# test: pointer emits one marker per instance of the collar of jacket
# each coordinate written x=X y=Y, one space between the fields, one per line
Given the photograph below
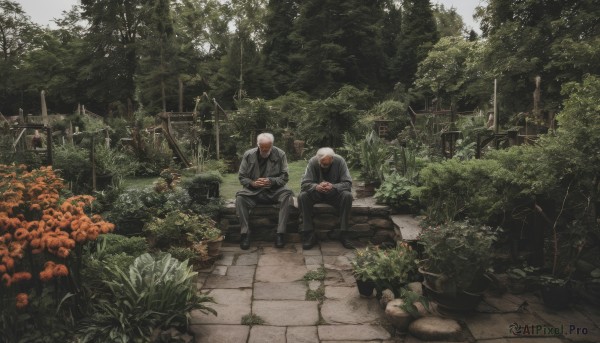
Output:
x=274 y=156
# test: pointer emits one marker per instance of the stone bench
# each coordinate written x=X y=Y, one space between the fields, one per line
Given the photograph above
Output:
x=368 y=221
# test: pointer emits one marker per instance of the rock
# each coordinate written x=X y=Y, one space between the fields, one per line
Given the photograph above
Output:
x=416 y=287
x=435 y=329
x=399 y=318
x=381 y=223
x=386 y=296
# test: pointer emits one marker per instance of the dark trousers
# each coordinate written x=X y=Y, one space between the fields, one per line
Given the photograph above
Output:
x=341 y=201
x=245 y=203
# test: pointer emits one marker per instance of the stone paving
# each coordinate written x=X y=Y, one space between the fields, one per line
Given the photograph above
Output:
x=268 y=283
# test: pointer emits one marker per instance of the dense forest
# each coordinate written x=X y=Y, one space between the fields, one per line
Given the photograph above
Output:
x=122 y=56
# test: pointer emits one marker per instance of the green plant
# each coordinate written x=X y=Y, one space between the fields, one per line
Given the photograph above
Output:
x=363 y=264
x=372 y=158
x=180 y=228
x=409 y=299
x=396 y=191
x=154 y=293
x=394 y=267
x=252 y=319
x=455 y=190
x=388 y=268
x=458 y=252
x=316 y=294
x=183 y=253
x=315 y=275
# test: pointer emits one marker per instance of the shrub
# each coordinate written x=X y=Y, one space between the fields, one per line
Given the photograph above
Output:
x=396 y=191
x=458 y=251
x=180 y=228
x=154 y=293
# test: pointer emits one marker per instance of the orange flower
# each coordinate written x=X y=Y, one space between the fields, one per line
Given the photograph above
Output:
x=35 y=207
x=6 y=279
x=46 y=275
x=20 y=276
x=60 y=270
x=49 y=265
x=9 y=262
x=21 y=234
x=22 y=300
x=2 y=268
x=63 y=252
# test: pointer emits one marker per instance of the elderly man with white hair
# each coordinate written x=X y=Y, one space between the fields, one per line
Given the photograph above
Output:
x=264 y=175
x=326 y=180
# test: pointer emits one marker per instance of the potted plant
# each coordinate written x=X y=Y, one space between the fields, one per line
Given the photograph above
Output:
x=363 y=269
x=203 y=187
x=212 y=236
x=457 y=258
x=395 y=267
x=376 y=268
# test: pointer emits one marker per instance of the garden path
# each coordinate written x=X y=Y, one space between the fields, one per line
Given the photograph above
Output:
x=268 y=283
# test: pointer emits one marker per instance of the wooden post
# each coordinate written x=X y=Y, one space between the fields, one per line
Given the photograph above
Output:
x=70 y=135
x=93 y=158
x=180 y=94
x=217 y=128
x=21 y=117
x=44 y=108
x=49 y=159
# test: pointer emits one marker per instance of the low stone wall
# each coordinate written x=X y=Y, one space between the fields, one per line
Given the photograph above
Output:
x=368 y=222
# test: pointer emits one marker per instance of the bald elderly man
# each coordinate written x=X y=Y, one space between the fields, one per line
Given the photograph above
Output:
x=326 y=180
x=264 y=174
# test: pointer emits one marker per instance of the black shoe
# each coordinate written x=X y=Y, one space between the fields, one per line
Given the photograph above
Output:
x=346 y=242
x=245 y=241
x=308 y=240
x=279 y=242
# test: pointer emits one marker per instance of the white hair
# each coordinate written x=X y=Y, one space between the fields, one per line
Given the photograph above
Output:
x=324 y=152
x=265 y=136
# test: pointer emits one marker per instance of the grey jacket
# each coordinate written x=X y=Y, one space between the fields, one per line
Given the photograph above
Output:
x=277 y=171
x=340 y=175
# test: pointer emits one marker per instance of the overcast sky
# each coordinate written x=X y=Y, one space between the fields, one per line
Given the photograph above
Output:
x=43 y=11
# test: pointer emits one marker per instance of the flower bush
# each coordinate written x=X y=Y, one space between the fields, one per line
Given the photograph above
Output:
x=38 y=230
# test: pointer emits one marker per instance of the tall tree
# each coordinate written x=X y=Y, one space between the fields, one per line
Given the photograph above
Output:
x=448 y=22
x=419 y=34
x=556 y=39
x=111 y=42
x=280 y=18
x=341 y=44
x=158 y=72
x=17 y=38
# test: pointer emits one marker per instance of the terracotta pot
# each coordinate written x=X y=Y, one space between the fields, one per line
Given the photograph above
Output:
x=214 y=246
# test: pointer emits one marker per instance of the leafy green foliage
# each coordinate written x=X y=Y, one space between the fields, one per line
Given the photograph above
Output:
x=179 y=228
x=465 y=189
x=315 y=275
x=154 y=293
x=396 y=191
x=389 y=268
x=316 y=294
x=410 y=298
x=252 y=319
x=458 y=251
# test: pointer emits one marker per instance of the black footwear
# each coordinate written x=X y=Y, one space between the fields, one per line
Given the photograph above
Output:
x=279 y=242
x=308 y=240
x=346 y=242
x=245 y=241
